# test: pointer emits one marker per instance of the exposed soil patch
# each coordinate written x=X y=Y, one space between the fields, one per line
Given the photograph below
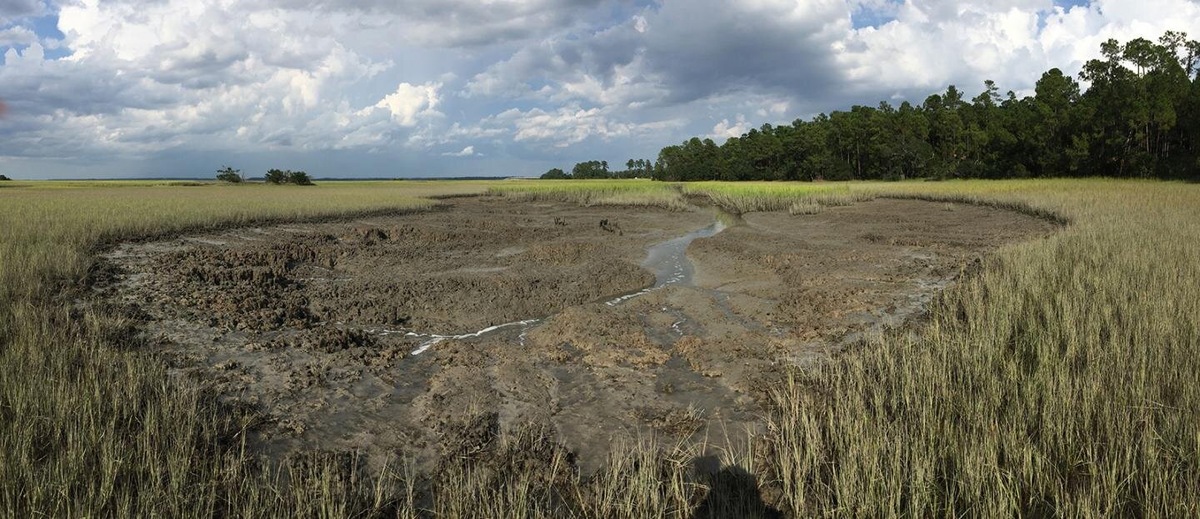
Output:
x=317 y=324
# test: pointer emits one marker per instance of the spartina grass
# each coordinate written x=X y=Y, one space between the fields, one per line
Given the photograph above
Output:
x=806 y=206
x=595 y=192
x=746 y=197
x=645 y=480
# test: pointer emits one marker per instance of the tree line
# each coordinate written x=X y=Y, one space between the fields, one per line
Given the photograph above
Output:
x=593 y=169
x=1140 y=117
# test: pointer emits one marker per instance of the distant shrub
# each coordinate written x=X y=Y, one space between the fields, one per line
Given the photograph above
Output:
x=287 y=176
x=276 y=176
x=2 y=178
x=228 y=174
x=299 y=178
x=555 y=174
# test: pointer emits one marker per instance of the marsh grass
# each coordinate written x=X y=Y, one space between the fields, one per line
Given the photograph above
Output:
x=734 y=197
x=1060 y=379
x=804 y=207
x=643 y=193
x=746 y=197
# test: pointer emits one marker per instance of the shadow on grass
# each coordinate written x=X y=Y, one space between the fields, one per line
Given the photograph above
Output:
x=733 y=492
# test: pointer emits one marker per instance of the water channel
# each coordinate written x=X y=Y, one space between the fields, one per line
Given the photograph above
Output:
x=667 y=260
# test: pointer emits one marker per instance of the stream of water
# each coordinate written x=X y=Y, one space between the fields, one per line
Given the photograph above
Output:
x=667 y=260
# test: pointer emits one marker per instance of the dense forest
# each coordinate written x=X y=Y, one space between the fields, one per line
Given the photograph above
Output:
x=1140 y=117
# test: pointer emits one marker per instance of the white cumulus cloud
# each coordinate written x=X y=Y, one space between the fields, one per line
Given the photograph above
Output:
x=724 y=129
x=409 y=103
x=466 y=152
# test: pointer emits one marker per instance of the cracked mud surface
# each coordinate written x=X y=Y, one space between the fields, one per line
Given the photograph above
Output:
x=315 y=324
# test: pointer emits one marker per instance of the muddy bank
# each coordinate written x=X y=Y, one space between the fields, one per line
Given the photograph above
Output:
x=316 y=324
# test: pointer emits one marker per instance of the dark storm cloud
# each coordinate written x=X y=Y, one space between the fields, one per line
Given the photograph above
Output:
x=709 y=47
x=683 y=52
x=51 y=89
x=560 y=62
x=465 y=23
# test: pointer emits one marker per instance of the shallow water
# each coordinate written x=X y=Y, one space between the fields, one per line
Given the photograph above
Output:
x=432 y=339
x=667 y=260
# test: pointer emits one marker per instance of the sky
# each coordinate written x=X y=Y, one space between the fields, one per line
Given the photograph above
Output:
x=431 y=88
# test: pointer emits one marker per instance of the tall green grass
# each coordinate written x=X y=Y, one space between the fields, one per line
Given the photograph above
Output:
x=735 y=197
x=594 y=192
x=746 y=197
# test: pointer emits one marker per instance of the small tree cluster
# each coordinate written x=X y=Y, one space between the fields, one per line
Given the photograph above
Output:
x=591 y=169
x=228 y=174
x=3 y=178
x=636 y=168
x=555 y=174
x=280 y=176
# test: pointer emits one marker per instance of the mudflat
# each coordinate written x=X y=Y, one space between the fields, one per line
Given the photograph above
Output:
x=390 y=334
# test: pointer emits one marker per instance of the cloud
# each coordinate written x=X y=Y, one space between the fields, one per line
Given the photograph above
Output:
x=146 y=77
x=567 y=125
x=682 y=52
x=11 y=10
x=466 y=152
x=773 y=109
x=608 y=67
x=933 y=43
x=562 y=127
x=767 y=45
x=801 y=58
x=410 y=103
x=724 y=130
x=14 y=36
x=458 y=23
x=697 y=61
x=533 y=82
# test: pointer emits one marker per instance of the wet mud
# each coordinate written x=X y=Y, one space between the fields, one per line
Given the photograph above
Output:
x=388 y=335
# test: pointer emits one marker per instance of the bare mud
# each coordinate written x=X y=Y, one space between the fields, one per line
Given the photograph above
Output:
x=387 y=335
